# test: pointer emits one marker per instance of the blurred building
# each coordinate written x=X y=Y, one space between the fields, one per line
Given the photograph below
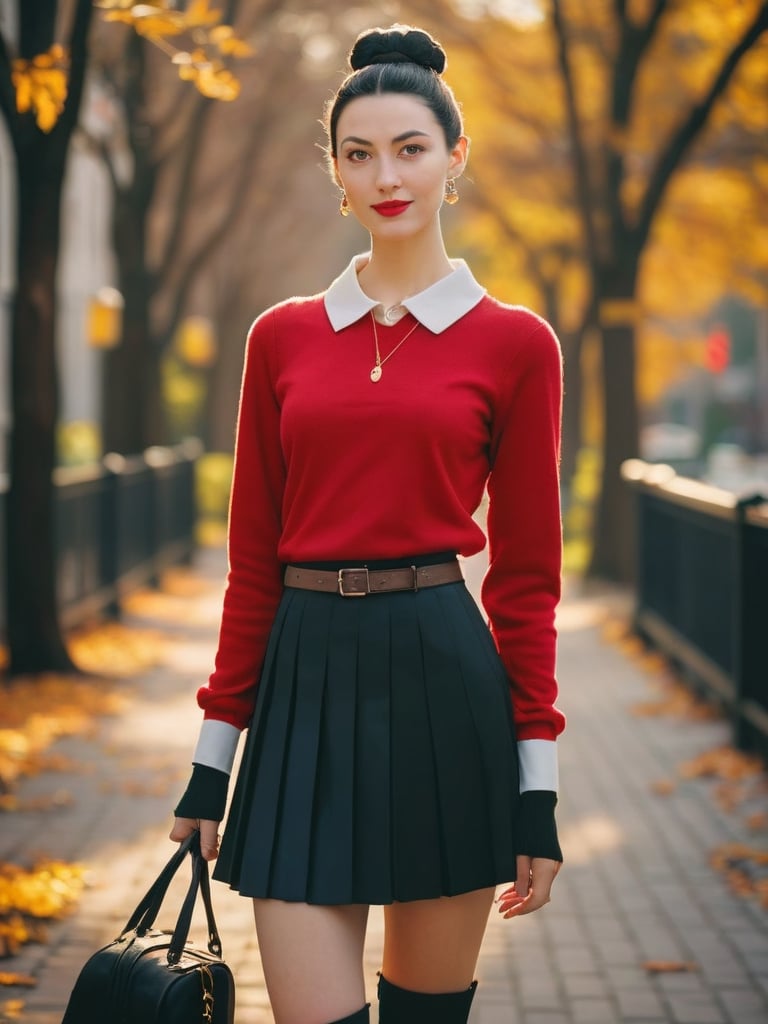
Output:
x=713 y=423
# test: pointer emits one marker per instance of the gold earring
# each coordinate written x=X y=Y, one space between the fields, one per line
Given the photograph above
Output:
x=344 y=205
x=451 y=192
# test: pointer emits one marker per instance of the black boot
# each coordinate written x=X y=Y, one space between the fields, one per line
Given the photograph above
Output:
x=361 y=1017
x=399 y=1006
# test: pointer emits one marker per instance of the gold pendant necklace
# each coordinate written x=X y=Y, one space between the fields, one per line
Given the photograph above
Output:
x=377 y=369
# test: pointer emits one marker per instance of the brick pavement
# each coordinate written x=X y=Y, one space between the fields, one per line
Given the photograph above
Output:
x=637 y=885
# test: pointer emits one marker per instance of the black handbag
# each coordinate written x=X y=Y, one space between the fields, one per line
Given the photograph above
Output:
x=154 y=977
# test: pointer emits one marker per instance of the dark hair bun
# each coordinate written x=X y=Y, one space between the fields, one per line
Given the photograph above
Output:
x=397 y=45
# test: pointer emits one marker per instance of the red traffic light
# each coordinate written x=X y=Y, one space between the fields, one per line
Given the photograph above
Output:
x=718 y=352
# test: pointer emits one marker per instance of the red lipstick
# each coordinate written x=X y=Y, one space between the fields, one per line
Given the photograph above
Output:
x=391 y=208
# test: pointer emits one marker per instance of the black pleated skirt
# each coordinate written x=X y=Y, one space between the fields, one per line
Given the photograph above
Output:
x=381 y=761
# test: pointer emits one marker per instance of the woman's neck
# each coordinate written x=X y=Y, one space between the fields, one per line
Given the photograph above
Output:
x=397 y=270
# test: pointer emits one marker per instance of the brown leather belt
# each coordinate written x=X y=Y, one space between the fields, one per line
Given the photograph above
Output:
x=359 y=582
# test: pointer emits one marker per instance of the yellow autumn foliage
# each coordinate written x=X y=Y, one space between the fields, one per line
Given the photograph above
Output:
x=199 y=15
x=210 y=78
x=149 y=20
x=28 y=898
x=160 y=22
x=41 y=85
x=708 y=238
x=36 y=712
x=228 y=43
x=11 y=1009
x=46 y=891
x=744 y=868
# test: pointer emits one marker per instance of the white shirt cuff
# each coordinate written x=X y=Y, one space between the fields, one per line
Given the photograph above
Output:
x=216 y=745
x=538 y=765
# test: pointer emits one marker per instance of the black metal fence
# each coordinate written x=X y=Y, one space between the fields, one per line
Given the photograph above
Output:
x=119 y=523
x=702 y=589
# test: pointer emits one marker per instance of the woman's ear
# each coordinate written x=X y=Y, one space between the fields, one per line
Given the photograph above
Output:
x=459 y=156
x=335 y=172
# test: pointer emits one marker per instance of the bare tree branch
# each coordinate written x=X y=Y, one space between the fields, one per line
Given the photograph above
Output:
x=583 y=186
x=168 y=266
x=100 y=149
x=634 y=42
x=512 y=234
x=653 y=21
x=168 y=132
x=78 y=51
x=213 y=239
x=687 y=133
x=500 y=76
x=189 y=164
x=36 y=27
x=192 y=143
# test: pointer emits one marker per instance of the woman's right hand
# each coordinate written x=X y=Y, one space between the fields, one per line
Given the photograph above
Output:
x=531 y=891
x=209 y=834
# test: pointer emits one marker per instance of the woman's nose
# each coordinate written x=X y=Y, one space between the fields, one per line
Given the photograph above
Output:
x=389 y=174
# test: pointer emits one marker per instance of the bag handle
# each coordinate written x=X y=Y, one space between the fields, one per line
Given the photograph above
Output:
x=143 y=917
x=200 y=882
x=154 y=895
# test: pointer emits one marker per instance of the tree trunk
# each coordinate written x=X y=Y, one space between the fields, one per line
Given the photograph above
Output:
x=35 y=639
x=614 y=535
x=132 y=404
x=572 y=398
x=133 y=410
x=223 y=390
x=34 y=634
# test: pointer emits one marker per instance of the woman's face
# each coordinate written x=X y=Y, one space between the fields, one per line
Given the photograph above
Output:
x=392 y=161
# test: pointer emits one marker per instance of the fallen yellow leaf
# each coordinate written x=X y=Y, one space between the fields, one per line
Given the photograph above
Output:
x=723 y=763
x=663 y=787
x=29 y=898
x=12 y=1009
x=668 y=966
x=21 y=980
x=758 y=822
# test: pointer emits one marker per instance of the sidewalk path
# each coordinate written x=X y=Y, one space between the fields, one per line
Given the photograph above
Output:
x=637 y=885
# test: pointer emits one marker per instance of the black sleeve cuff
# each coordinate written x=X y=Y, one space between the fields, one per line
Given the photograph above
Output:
x=205 y=795
x=536 y=827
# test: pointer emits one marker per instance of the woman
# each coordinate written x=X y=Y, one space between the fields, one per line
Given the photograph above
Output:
x=398 y=752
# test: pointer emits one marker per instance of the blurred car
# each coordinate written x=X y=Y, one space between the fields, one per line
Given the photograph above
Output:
x=669 y=442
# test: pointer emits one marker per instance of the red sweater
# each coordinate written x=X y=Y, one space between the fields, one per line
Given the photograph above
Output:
x=329 y=465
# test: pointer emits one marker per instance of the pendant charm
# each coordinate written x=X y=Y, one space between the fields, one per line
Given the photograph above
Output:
x=376 y=374
x=394 y=313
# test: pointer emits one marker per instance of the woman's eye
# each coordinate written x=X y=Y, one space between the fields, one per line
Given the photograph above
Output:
x=357 y=154
x=412 y=149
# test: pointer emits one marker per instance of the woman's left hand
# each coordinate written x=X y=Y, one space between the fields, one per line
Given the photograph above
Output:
x=209 y=834
x=532 y=889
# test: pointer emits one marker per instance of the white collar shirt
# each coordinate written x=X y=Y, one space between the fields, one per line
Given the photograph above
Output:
x=436 y=308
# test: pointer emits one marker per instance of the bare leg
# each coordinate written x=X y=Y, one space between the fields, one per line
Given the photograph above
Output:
x=432 y=945
x=312 y=958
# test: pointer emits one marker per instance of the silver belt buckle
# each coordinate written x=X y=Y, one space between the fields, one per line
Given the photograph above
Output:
x=354 y=593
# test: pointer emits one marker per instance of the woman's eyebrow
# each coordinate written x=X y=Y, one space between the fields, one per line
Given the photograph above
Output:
x=408 y=135
x=398 y=138
x=356 y=140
